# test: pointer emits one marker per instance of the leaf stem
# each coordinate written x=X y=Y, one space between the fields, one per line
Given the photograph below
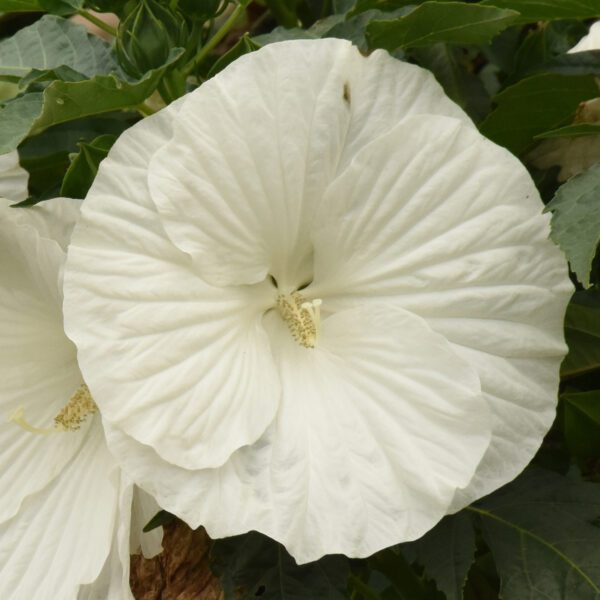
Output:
x=216 y=38
x=97 y=22
x=144 y=109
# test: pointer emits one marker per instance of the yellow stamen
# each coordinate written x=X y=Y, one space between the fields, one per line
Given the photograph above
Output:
x=302 y=317
x=77 y=409
x=70 y=418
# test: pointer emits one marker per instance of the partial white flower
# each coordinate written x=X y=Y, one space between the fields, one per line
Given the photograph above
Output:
x=574 y=154
x=591 y=41
x=64 y=501
x=311 y=300
x=13 y=178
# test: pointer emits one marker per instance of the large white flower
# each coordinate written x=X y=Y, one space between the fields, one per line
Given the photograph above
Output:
x=66 y=507
x=311 y=300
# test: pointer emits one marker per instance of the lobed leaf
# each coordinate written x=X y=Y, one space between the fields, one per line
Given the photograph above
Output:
x=252 y=565
x=432 y=22
x=534 y=105
x=576 y=221
x=84 y=166
x=542 y=530
x=64 y=101
x=447 y=553
x=532 y=11
x=53 y=42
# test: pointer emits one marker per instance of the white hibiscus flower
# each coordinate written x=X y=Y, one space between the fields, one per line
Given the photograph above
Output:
x=66 y=508
x=574 y=154
x=311 y=300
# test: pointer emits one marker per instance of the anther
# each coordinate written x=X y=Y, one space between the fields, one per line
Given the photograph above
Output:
x=70 y=417
x=303 y=317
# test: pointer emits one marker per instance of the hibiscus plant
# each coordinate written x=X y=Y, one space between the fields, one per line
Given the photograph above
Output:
x=299 y=299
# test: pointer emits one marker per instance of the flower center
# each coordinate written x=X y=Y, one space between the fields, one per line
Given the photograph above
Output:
x=71 y=416
x=303 y=317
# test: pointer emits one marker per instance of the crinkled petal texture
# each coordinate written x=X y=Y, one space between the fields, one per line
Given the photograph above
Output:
x=61 y=536
x=381 y=401
x=243 y=211
x=435 y=368
x=38 y=365
x=13 y=178
x=135 y=509
x=447 y=225
x=178 y=364
x=272 y=131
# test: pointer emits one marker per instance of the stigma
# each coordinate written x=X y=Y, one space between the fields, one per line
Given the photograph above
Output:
x=70 y=418
x=303 y=317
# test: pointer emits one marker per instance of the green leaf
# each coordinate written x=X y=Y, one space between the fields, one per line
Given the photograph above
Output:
x=52 y=42
x=58 y=7
x=576 y=221
x=577 y=130
x=544 y=49
x=453 y=70
x=544 y=537
x=364 y=5
x=447 y=553
x=432 y=22
x=582 y=423
x=252 y=566
x=162 y=517
x=353 y=29
x=84 y=166
x=582 y=333
x=46 y=156
x=243 y=46
x=20 y=6
x=534 y=105
x=547 y=10
x=64 y=101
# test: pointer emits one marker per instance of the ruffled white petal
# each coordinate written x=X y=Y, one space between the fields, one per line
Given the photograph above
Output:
x=254 y=148
x=178 y=364
x=38 y=367
x=448 y=225
x=135 y=509
x=591 y=41
x=379 y=424
x=13 y=178
x=62 y=535
x=143 y=508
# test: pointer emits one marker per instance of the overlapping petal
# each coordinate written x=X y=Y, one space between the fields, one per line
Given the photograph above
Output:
x=46 y=546
x=380 y=402
x=448 y=226
x=135 y=509
x=253 y=150
x=180 y=365
x=37 y=361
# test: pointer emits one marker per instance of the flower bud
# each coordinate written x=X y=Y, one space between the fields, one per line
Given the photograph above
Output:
x=202 y=10
x=147 y=35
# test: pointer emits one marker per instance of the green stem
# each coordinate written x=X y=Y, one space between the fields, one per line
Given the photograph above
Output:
x=97 y=22
x=216 y=38
x=144 y=109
